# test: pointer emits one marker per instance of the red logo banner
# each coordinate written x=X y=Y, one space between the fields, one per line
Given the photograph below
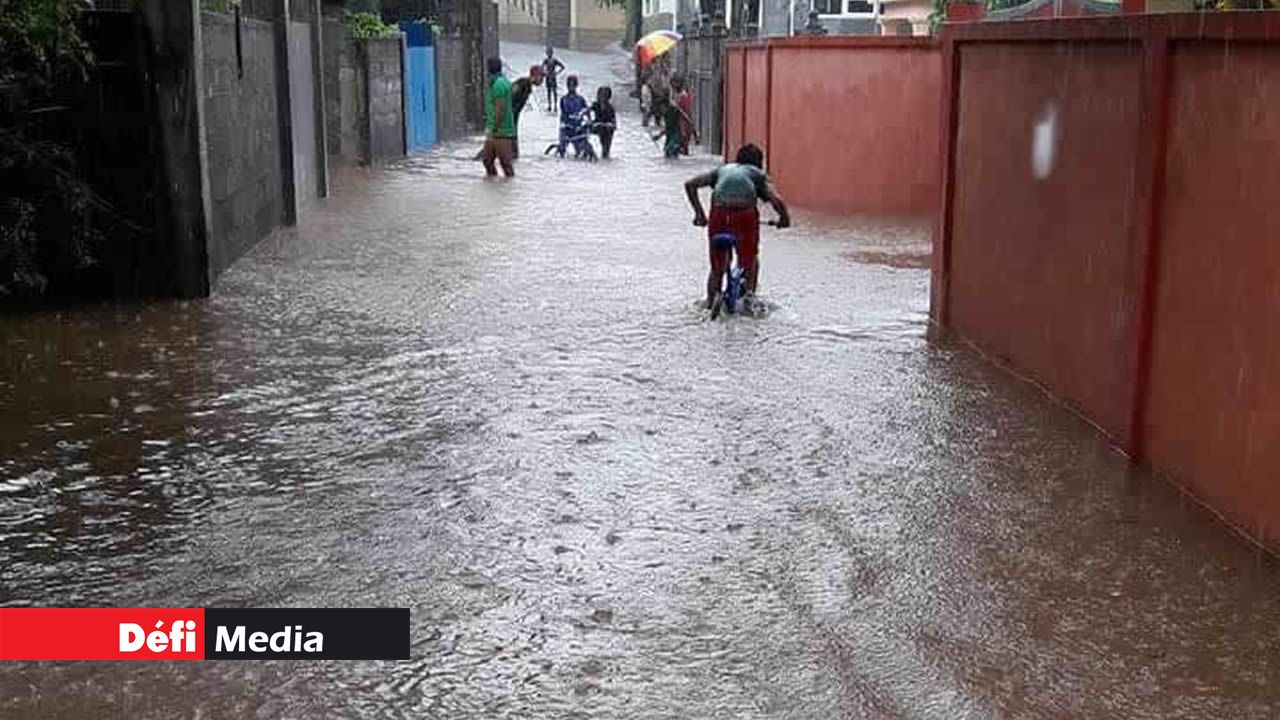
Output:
x=101 y=633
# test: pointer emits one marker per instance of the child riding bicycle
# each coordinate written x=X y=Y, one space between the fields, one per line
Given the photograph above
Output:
x=737 y=187
x=574 y=128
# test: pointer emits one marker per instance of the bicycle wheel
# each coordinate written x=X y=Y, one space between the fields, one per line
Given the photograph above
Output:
x=733 y=291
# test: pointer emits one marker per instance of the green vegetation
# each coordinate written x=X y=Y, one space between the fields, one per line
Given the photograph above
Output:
x=368 y=26
x=222 y=6
x=49 y=218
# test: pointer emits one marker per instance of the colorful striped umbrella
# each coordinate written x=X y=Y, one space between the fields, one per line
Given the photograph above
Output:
x=655 y=44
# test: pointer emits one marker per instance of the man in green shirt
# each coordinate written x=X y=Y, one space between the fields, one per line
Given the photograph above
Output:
x=499 y=123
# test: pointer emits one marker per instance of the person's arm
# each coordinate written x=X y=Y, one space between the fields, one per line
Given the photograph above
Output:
x=779 y=206
x=691 y=188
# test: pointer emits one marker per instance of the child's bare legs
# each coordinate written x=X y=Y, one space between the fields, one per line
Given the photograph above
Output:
x=719 y=262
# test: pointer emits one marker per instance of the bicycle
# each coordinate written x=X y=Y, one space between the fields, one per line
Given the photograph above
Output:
x=734 y=278
x=576 y=132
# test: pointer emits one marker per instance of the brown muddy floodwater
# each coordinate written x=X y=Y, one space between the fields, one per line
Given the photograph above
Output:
x=497 y=404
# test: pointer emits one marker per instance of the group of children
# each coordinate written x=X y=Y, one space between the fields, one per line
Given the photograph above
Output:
x=737 y=187
x=665 y=99
x=579 y=121
x=675 y=112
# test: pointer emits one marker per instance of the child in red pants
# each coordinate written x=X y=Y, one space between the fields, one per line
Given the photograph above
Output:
x=737 y=187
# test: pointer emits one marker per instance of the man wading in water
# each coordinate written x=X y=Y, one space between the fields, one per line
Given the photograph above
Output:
x=499 y=123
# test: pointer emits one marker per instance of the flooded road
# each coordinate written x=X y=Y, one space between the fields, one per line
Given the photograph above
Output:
x=498 y=404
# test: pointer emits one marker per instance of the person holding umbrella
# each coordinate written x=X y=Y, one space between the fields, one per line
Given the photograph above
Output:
x=652 y=55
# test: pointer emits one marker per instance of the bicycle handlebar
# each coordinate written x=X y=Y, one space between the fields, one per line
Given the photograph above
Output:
x=775 y=223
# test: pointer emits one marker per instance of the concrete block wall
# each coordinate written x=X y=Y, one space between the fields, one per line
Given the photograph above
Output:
x=238 y=121
x=353 y=111
x=451 y=80
x=489 y=29
x=303 y=87
x=384 y=75
x=241 y=135
x=335 y=46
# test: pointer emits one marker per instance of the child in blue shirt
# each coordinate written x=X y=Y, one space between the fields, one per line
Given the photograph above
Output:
x=573 y=110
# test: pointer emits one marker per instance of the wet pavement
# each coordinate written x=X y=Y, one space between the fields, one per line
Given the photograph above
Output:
x=498 y=404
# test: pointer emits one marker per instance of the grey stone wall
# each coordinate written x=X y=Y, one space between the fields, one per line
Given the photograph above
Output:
x=850 y=26
x=364 y=96
x=182 y=230
x=385 y=89
x=353 y=112
x=452 y=69
x=302 y=99
x=335 y=46
x=242 y=137
x=489 y=28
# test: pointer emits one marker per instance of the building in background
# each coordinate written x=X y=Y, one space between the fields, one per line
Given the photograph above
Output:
x=659 y=14
x=791 y=17
x=576 y=24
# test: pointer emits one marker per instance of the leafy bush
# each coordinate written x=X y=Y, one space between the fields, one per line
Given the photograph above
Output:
x=48 y=223
x=368 y=26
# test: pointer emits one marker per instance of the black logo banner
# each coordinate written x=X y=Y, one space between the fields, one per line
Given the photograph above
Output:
x=306 y=634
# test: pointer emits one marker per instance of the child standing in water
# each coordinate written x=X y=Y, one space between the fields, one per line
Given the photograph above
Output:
x=551 y=68
x=684 y=101
x=605 y=119
x=674 y=122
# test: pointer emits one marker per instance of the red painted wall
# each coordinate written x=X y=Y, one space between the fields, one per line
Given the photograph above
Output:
x=850 y=124
x=1214 y=408
x=757 y=109
x=1038 y=262
x=734 y=63
x=1139 y=278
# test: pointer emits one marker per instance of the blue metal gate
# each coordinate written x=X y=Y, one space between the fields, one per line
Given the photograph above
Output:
x=420 y=128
